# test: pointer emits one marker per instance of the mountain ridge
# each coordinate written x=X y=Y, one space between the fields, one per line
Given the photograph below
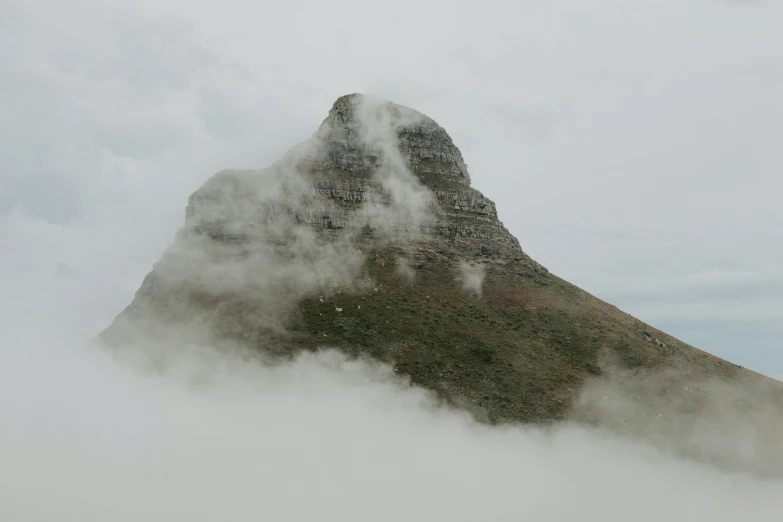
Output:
x=369 y=237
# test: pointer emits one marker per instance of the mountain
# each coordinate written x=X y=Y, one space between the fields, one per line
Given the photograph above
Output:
x=369 y=238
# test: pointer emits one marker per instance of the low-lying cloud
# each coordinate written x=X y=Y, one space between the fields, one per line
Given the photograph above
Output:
x=733 y=426
x=471 y=277
x=224 y=437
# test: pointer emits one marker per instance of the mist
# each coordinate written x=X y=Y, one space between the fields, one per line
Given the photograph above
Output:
x=215 y=436
x=471 y=276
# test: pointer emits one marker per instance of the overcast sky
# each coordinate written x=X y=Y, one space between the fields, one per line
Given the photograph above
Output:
x=632 y=147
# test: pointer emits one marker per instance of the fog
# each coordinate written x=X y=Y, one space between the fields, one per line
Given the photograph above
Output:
x=214 y=437
x=472 y=277
x=268 y=254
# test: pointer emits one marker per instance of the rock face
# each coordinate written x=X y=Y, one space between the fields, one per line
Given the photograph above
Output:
x=371 y=163
x=354 y=147
x=369 y=238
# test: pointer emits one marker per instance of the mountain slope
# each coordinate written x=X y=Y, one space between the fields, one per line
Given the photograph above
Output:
x=369 y=238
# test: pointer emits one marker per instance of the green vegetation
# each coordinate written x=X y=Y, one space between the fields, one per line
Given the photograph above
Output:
x=518 y=353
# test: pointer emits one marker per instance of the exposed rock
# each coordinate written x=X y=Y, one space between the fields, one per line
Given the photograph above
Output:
x=377 y=208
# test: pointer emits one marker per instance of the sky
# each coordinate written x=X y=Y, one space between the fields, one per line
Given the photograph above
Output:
x=630 y=146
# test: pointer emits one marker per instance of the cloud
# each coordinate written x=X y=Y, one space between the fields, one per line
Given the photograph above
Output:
x=380 y=123
x=711 y=421
x=471 y=276
x=405 y=269
x=321 y=437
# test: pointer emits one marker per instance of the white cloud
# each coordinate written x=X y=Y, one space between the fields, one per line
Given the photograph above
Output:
x=320 y=438
x=471 y=277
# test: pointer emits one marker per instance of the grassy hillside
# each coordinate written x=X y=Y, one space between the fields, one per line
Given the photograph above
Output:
x=519 y=352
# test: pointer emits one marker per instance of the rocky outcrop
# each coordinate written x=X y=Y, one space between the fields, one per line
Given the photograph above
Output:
x=351 y=139
x=332 y=181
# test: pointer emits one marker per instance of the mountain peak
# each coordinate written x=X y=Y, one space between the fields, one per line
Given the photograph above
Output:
x=359 y=128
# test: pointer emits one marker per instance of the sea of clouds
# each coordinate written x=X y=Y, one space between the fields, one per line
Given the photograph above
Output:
x=214 y=436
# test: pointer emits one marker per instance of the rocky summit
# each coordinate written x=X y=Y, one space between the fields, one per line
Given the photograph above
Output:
x=370 y=239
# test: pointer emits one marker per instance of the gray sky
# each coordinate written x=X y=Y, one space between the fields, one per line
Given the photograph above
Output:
x=630 y=146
